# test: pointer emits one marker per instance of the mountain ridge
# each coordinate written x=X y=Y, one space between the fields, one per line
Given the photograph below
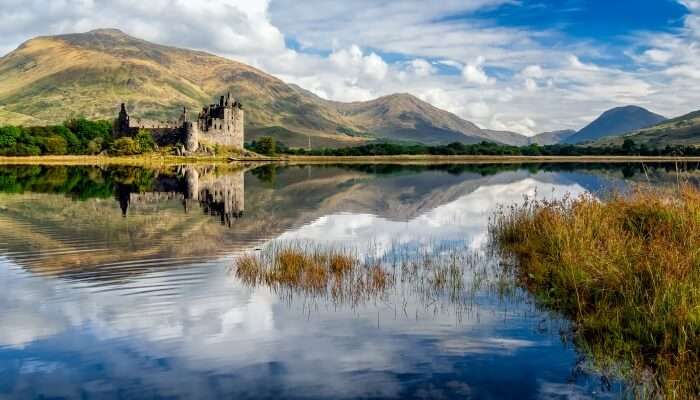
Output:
x=52 y=78
x=615 y=122
x=683 y=130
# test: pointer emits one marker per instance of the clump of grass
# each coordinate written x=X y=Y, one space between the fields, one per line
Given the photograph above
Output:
x=313 y=270
x=435 y=276
x=627 y=272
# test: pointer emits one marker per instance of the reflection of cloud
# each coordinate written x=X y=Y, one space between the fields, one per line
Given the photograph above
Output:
x=178 y=330
x=488 y=345
x=465 y=218
x=550 y=391
x=18 y=328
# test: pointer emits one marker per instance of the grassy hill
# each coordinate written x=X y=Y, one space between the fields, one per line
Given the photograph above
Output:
x=89 y=74
x=684 y=130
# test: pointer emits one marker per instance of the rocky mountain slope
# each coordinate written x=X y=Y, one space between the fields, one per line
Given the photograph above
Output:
x=616 y=122
x=49 y=79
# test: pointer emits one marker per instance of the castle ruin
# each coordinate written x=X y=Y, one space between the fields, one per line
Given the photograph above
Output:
x=221 y=124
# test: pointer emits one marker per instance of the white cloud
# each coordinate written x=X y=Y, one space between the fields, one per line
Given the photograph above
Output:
x=474 y=73
x=352 y=58
x=530 y=85
x=479 y=109
x=658 y=56
x=533 y=71
x=421 y=68
x=693 y=5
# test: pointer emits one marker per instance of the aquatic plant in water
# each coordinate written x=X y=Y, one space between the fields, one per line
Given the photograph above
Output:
x=441 y=277
x=627 y=272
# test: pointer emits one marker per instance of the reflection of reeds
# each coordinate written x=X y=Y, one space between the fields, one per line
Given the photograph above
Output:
x=434 y=276
x=626 y=270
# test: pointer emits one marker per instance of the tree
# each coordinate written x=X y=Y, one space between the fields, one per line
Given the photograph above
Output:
x=125 y=146
x=56 y=145
x=94 y=146
x=74 y=144
x=87 y=130
x=145 y=141
x=9 y=136
x=628 y=146
x=266 y=145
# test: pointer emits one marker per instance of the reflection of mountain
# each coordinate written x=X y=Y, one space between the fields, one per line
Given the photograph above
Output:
x=54 y=234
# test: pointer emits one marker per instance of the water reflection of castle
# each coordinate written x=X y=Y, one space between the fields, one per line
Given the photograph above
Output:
x=217 y=195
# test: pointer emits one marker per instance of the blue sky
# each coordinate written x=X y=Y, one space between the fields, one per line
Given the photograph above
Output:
x=523 y=65
x=601 y=20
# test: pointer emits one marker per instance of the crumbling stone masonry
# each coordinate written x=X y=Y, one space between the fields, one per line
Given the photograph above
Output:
x=221 y=123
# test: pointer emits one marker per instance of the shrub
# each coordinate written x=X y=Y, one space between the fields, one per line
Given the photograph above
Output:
x=94 y=146
x=86 y=130
x=9 y=136
x=145 y=141
x=23 y=149
x=125 y=146
x=55 y=145
x=265 y=145
x=74 y=145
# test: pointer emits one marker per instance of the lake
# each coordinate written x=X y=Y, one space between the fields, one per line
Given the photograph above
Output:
x=120 y=282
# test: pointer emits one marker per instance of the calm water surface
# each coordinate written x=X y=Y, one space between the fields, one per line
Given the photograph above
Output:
x=119 y=283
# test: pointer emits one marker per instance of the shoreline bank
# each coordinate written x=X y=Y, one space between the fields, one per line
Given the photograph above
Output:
x=401 y=159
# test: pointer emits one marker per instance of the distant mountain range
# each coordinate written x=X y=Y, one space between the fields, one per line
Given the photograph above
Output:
x=614 y=122
x=49 y=79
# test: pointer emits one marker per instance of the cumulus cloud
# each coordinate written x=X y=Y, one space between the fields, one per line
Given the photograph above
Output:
x=352 y=58
x=533 y=71
x=421 y=67
x=230 y=27
x=474 y=73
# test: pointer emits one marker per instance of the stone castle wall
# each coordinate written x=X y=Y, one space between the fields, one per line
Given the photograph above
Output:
x=152 y=124
x=222 y=124
x=229 y=131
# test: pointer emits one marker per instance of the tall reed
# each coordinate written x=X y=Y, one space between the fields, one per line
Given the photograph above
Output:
x=627 y=272
x=435 y=275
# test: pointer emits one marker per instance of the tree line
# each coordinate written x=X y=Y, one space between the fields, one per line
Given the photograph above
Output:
x=81 y=136
x=78 y=136
x=268 y=146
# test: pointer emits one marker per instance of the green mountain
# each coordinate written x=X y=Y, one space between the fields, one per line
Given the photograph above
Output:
x=51 y=78
x=616 y=122
x=684 y=130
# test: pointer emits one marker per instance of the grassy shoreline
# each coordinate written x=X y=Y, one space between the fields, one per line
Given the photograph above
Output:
x=139 y=160
x=626 y=271
x=482 y=159
x=149 y=160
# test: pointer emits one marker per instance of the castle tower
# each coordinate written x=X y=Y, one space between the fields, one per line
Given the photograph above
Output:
x=123 y=127
x=183 y=116
x=191 y=136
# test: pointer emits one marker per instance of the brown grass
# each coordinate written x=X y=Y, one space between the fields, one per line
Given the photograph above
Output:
x=344 y=277
x=626 y=271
